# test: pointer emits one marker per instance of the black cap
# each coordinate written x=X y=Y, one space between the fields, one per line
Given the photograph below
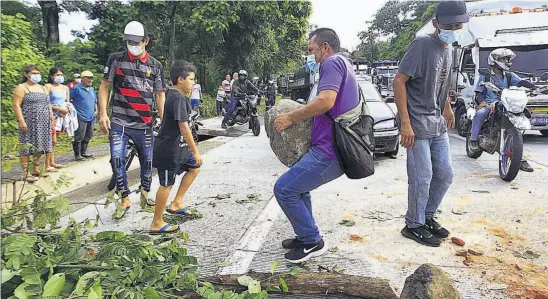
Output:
x=451 y=12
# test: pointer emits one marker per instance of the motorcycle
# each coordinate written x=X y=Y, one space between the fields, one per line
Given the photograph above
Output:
x=502 y=131
x=246 y=112
x=131 y=149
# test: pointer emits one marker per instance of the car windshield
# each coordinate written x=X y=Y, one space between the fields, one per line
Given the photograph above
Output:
x=387 y=71
x=529 y=59
x=369 y=92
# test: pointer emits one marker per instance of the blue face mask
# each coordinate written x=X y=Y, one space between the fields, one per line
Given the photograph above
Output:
x=312 y=64
x=59 y=79
x=35 y=78
x=449 y=36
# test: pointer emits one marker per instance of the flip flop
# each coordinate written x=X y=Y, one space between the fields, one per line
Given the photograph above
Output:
x=123 y=214
x=181 y=212
x=37 y=175
x=29 y=179
x=58 y=166
x=52 y=169
x=151 y=202
x=164 y=230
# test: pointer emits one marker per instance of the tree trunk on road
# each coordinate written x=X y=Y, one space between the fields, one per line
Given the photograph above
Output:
x=318 y=283
x=50 y=16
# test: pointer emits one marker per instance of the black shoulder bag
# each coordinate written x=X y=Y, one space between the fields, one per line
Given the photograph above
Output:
x=354 y=142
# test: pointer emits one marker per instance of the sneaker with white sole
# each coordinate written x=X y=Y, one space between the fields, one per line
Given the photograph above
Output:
x=303 y=252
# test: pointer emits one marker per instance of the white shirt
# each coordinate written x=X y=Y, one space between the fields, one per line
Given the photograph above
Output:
x=196 y=91
x=220 y=95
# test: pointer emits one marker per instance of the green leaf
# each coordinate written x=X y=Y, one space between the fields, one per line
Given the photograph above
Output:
x=20 y=291
x=274 y=266
x=285 y=289
x=294 y=272
x=96 y=292
x=54 y=285
x=273 y=289
x=7 y=275
x=254 y=287
x=85 y=282
x=151 y=293
x=245 y=280
x=31 y=275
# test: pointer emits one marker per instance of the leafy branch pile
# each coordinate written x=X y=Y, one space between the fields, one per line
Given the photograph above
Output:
x=42 y=260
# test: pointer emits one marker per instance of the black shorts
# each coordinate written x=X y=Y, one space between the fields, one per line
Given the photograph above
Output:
x=167 y=176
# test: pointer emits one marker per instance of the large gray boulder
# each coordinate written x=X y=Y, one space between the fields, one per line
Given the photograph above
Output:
x=290 y=145
x=429 y=282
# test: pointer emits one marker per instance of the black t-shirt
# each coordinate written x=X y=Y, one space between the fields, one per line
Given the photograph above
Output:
x=170 y=149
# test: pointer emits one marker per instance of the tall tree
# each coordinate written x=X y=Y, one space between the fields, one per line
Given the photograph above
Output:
x=50 y=16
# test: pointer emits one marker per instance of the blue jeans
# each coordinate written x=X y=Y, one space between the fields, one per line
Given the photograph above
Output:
x=430 y=173
x=292 y=191
x=233 y=104
x=144 y=143
x=219 y=108
x=479 y=119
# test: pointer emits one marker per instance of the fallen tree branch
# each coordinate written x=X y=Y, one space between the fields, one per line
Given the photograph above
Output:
x=318 y=283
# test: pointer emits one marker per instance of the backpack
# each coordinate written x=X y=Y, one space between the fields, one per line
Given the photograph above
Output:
x=354 y=142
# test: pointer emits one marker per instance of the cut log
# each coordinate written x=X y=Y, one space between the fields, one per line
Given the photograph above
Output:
x=317 y=283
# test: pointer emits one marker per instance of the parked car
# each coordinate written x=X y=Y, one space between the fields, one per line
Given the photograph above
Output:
x=387 y=134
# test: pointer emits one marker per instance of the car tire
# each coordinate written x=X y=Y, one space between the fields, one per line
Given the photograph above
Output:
x=393 y=153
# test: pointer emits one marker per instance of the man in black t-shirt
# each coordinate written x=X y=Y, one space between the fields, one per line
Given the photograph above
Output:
x=174 y=149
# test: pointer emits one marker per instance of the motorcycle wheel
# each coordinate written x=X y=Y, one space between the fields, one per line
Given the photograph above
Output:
x=469 y=152
x=195 y=135
x=510 y=158
x=256 y=129
x=463 y=123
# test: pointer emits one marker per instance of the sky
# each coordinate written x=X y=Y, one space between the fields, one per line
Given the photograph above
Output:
x=347 y=18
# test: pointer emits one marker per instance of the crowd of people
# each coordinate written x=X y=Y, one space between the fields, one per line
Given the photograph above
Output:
x=137 y=81
x=44 y=111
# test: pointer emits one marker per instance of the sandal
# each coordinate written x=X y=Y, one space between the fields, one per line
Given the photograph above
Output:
x=51 y=169
x=58 y=166
x=165 y=230
x=38 y=175
x=181 y=212
x=29 y=179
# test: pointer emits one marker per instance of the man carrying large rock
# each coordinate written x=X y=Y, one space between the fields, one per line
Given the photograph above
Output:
x=337 y=94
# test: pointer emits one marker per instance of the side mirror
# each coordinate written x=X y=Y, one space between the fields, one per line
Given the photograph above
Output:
x=389 y=100
x=484 y=71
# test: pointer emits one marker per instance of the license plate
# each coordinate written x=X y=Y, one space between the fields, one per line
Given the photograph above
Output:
x=539 y=121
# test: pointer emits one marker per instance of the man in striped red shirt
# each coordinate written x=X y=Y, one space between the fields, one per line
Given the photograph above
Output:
x=137 y=79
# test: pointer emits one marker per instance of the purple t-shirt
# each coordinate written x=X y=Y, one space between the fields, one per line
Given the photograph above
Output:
x=336 y=74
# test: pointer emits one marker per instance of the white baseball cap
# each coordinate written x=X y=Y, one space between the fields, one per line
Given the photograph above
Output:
x=134 y=31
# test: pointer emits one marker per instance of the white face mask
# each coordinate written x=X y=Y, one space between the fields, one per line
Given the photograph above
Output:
x=135 y=50
x=78 y=80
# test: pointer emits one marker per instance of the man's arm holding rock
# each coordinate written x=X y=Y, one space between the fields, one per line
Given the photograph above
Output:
x=323 y=102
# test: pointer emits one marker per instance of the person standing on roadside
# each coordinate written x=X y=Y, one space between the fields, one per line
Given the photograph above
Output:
x=137 y=79
x=337 y=94
x=84 y=99
x=234 y=78
x=77 y=80
x=220 y=99
x=32 y=109
x=226 y=84
x=58 y=97
x=196 y=96
x=421 y=88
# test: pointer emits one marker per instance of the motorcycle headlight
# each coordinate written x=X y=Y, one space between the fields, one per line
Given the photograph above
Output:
x=385 y=125
x=514 y=100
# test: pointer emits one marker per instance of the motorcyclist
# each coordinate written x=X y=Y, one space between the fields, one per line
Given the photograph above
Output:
x=500 y=62
x=240 y=88
x=270 y=94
